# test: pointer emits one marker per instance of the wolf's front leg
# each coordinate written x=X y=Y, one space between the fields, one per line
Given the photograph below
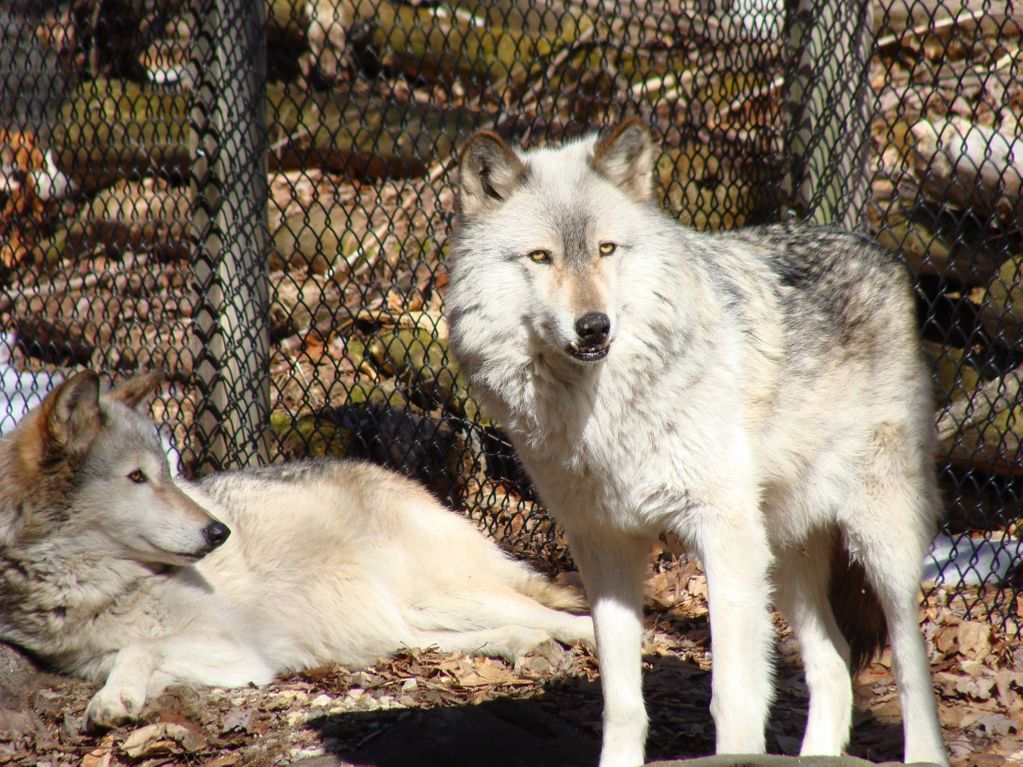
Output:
x=145 y=668
x=122 y=696
x=736 y=559
x=613 y=565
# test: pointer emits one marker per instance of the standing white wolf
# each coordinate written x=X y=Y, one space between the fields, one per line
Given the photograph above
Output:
x=761 y=394
x=111 y=569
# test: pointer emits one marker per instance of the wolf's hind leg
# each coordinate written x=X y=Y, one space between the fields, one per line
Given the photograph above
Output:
x=802 y=597
x=508 y=642
x=487 y=604
x=513 y=608
x=890 y=530
x=894 y=574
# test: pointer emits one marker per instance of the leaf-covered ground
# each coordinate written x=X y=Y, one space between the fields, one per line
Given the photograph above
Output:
x=426 y=708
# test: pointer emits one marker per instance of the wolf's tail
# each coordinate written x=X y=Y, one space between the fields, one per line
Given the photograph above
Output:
x=548 y=593
x=856 y=606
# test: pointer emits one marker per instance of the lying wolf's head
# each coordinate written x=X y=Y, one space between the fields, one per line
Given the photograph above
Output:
x=91 y=470
x=545 y=235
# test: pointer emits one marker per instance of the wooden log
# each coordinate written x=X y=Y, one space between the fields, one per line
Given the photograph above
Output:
x=422 y=42
x=970 y=166
x=111 y=129
x=534 y=17
x=917 y=235
x=149 y=217
x=1002 y=18
x=52 y=340
x=984 y=430
x=954 y=372
x=316 y=239
x=422 y=364
x=298 y=305
x=107 y=343
x=1001 y=309
x=359 y=135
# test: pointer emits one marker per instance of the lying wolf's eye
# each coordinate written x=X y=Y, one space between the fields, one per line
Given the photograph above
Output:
x=137 y=477
x=607 y=248
x=540 y=256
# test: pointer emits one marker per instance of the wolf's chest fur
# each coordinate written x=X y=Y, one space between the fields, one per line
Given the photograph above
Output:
x=612 y=445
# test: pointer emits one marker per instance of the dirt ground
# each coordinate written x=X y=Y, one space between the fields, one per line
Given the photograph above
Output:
x=423 y=708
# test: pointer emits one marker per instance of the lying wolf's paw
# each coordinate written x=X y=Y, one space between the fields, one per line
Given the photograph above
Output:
x=110 y=707
x=519 y=641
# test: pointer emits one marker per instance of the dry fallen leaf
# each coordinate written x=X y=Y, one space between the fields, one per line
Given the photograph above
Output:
x=162 y=738
x=974 y=639
x=100 y=756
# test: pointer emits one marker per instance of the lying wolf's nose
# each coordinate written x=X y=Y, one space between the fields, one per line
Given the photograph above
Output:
x=216 y=533
x=593 y=328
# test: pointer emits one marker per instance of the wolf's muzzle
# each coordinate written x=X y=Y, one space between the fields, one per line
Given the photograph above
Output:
x=593 y=331
x=215 y=534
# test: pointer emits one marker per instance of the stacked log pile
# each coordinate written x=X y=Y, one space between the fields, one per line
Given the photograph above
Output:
x=947 y=198
x=367 y=100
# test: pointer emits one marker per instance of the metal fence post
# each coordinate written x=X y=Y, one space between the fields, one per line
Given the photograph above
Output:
x=229 y=179
x=826 y=89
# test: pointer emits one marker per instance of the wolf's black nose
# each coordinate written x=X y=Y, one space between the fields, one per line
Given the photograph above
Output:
x=593 y=328
x=216 y=533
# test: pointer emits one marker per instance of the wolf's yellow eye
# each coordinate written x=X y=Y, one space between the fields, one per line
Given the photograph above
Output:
x=137 y=477
x=540 y=256
x=607 y=248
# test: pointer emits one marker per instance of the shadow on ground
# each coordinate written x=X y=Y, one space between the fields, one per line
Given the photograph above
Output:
x=561 y=727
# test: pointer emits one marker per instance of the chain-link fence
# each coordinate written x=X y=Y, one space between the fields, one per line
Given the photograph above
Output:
x=257 y=199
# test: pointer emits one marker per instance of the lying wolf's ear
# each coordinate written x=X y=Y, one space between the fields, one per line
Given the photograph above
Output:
x=135 y=389
x=71 y=414
x=488 y=171
x=625 y=156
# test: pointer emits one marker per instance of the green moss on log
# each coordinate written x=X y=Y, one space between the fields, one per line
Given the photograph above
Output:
x=111 y=128
x=362 y=136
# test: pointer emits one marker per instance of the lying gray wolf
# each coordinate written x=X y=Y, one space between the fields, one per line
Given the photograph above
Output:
x=760 y=394
x=110 y=569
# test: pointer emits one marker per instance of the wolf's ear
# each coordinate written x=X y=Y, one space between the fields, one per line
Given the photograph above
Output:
x=71 y=416
x=625 y=157
x=135 y=389
x=488 y=171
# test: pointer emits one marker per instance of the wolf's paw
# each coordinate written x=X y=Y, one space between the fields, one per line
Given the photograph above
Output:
x=111 y=707
x=580 y=631
x=519 y=641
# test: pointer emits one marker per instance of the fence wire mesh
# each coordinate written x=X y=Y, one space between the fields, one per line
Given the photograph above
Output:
x=257 y=200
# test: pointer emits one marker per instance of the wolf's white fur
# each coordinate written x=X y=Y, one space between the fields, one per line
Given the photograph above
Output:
x=727 y=410
x=106 y=569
